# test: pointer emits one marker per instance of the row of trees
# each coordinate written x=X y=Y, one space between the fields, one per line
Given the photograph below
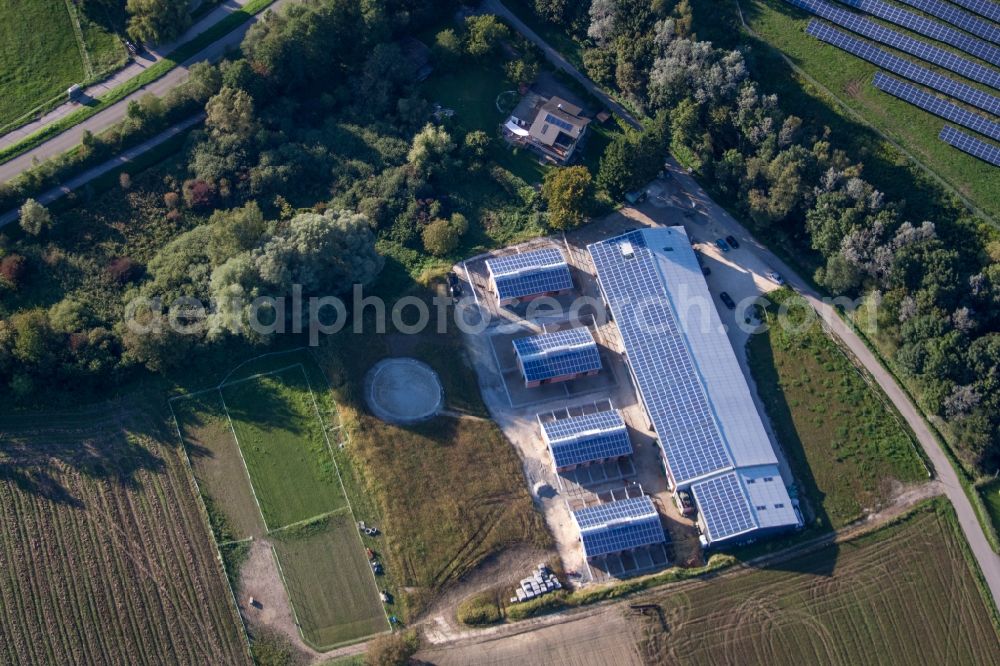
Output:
x=937 y=283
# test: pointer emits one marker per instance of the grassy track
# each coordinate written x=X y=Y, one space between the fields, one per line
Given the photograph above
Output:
x=849 y=78
x=846 y=446
x=104 y=553
x=284 y=446
x=329 y=581
x=902 y=595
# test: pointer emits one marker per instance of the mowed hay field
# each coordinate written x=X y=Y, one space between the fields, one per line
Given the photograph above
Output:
x=904 y=595
x=449 y=492
x=105 y=556
x=328 y=576
x=847 y=448
x=40 y=54
x=282 y=426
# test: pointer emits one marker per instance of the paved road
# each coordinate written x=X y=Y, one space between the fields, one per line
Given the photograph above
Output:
x=127 y=73
x=82 y=179
x=111 y=115
x=988 y=560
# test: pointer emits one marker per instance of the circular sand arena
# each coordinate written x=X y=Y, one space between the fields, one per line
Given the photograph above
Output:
x=403 y=390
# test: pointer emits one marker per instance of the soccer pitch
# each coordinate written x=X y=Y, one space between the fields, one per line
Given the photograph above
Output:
x=260 y=450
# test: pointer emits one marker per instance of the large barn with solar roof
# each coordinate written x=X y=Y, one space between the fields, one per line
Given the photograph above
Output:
x=697 y=399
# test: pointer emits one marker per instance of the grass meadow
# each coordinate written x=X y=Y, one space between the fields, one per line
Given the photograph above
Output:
x=846 y=446
x=856 y=602
x=285 y=447
x=325 y=571
x=41 y=53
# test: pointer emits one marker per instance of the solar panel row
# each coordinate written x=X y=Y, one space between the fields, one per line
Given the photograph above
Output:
x=617 y=526
x=948 y=12
x=897 y=40
x=513 y=263
x=587 y=438
x=724 y=506
x=936 y=105
x=660 y=359
x=971 y=145
x=987 y=8
x=559 y=354
x=558 y=122
x=928 y=28
x=540 y=281
x=903 y=67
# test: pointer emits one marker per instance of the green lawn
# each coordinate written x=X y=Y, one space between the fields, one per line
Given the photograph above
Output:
x=40 y=55
x=849 y=79
x=990 y=492
x=284 y=446
x=846 y=447
x=329 y=582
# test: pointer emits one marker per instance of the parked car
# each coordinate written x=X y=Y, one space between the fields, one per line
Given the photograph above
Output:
x=775 y=277
x=454 y=285
x=721 y=244
x=732 y=241
x=728 y=300
x=636 y=197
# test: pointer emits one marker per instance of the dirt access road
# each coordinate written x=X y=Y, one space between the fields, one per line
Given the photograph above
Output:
x=989 y=561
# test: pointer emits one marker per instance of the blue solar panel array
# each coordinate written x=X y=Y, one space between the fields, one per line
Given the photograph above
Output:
x=958 y=18
x=987 y=8
x=903 y=67
x=971 y=145
x=558 y=354
x=617 y=526
x=724 y=506
x=928 y=28
x=530 y=273
x=661 y=361
x=936 y=105
x=583 y=439
x=897 y=40
x=558 y=122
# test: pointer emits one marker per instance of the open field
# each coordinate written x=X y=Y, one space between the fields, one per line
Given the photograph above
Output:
x=328 y=578
x=450 y=491
x=105 y=554
x=266 y=410
x=849 y=78
x=41 y=54
x=846 y=447
x=284 y=446
x=904 y=594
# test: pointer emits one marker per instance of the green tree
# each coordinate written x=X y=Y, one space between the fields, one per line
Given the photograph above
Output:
x=35 y=217
x=324 y=253
x=441 y=237
x=393 y=649
x=569 y=194
x=157 y=21
x=431 y=151
x=447 y=49
x=231 y=113
x=235 y=231
x=483 y=34
x=475 y=148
